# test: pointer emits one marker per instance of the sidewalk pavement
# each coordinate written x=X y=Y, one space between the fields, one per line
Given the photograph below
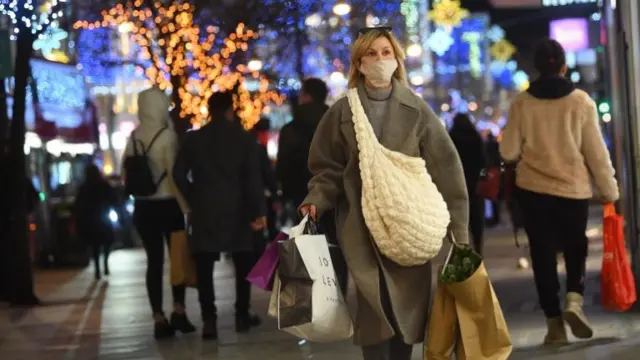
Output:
x=110 y=320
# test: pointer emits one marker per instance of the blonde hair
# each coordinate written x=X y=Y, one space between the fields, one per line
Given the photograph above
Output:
x=360 y=47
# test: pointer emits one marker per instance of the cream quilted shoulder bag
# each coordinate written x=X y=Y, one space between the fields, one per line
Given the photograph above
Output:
x=406 y=214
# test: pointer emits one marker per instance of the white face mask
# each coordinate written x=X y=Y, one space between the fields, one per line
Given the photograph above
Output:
x=380 y=72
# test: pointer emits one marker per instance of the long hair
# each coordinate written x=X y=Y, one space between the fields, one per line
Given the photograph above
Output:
x=463 y=127
x=360 y=47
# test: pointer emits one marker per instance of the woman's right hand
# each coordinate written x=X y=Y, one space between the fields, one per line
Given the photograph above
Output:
x=309 y=209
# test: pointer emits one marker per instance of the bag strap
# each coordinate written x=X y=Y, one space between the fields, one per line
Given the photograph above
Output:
x=153 y=140
x=134 y=143
x=365 y=136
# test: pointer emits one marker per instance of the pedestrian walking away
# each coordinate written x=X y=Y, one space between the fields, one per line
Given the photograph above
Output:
x=148 y=160
x=469 y=144
x=218 y=172
x=95 y=200
x=553 y=133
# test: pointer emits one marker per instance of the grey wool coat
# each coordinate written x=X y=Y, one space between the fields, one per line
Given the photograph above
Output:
x=413 y=129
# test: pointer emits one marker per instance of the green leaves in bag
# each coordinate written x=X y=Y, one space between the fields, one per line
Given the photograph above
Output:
x=462 y=263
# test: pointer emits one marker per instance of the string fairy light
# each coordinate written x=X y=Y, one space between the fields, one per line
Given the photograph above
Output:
x=24 y=15
x=195 y=62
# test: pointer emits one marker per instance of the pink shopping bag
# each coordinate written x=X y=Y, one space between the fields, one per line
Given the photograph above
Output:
x=262 y=273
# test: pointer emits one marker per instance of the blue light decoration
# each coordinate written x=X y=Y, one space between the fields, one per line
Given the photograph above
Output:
x=521 y=80
x=495 y=33
x=50 y=41
x=440 y=41
x=506 y=74
x=328 y=37
x=95 y=53
x=463 y=61
x=62 y=94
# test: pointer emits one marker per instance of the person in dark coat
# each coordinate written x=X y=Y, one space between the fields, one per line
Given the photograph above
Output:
x=95 y=200
x=260 y=131
x=492 y=151
x=292 y=169
x=218 y=172
x=470 y=147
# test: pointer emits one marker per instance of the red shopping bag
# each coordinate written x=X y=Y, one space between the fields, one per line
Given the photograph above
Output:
x=617 y=282
x=489 y=185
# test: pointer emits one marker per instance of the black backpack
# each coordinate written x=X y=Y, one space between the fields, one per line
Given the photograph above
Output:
x=139 y=178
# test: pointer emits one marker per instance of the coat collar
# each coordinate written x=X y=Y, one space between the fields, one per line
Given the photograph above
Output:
x=404 y=111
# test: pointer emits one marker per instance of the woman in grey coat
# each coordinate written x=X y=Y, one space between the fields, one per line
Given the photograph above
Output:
x=393 y=300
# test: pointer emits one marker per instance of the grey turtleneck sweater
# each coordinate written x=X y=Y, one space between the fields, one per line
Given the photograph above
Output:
x=378 y=108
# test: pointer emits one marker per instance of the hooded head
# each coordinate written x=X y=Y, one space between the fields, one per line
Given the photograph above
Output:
x=153 y=108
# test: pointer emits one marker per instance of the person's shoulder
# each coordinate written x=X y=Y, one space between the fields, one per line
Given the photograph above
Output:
x=581 y=98
x=338 y=107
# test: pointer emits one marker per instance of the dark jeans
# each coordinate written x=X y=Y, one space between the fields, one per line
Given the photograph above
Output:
x=394 y=348
x=155 y=220
x=243 y=262
x=555 y=224
x=96 y=250
x=476 y=221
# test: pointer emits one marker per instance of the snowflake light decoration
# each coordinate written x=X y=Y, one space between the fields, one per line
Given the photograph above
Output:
x=503 y=50
x=440 y=41
x=521 y=80
x=495 y=33
x=448 y=13
x=50 y=41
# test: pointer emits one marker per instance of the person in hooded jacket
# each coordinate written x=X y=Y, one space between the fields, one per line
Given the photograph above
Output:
x=554 y=135
x=470 y=147
x=157 y=216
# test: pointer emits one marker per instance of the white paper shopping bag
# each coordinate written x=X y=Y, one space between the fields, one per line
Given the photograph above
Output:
x=310 y=303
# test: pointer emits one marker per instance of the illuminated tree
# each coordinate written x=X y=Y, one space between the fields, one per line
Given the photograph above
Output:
x=191 y=59
x=29 y=19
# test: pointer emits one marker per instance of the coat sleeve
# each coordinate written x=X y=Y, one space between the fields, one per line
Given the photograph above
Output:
x=445 y=168
x=597 y=156
x=181 y=168
x=170 y=154
x=284 y=154
x=326 y=162
x=511 y=143
x=268 y=174
x=252 y=183
x=128 y=150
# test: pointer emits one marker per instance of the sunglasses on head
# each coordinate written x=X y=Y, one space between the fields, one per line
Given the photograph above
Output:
x=366 y=30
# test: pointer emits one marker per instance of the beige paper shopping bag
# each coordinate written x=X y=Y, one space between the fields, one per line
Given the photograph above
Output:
x=483 y=331
x=183 y=267
x=442 y=330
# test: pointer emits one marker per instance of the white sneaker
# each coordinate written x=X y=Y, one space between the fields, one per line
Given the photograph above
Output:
x=556 y=333
x=574 y=316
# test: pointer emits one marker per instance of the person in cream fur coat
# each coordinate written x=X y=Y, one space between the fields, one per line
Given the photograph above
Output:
x=553 y=133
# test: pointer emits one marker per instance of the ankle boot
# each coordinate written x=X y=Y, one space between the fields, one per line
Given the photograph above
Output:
x=244 y=322
x=210 y=329
x=556 y=333
x=574 y=316
x=180 y=322
x=162 y=329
